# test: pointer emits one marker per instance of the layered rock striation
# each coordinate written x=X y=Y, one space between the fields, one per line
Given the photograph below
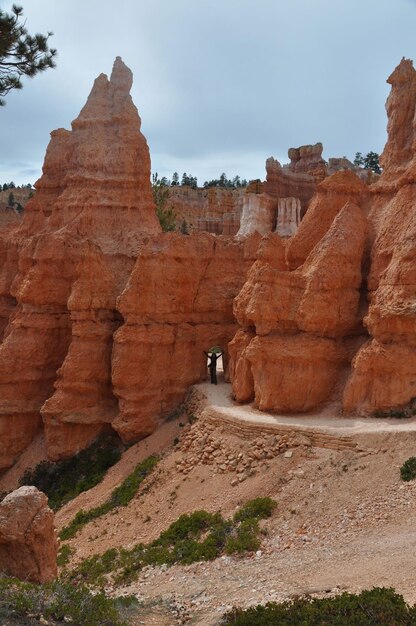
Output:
x=384 y=370
x=64 y=269
x=332 y=313
x=104 y=319
x=290 y=350
x=86 y=262
x=214 y=210
x=178 y=303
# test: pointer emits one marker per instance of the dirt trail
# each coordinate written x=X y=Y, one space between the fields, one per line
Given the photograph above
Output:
x=219 y=398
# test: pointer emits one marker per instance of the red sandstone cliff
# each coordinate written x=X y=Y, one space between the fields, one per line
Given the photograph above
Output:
x=88 y=257
x=384 y=370
x=350 y=281
x=294 y=321
x=177 y=304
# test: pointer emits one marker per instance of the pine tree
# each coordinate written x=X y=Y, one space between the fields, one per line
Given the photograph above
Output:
x=372 y=162
x=165 y=214
x=21 y=54
x=359 y=159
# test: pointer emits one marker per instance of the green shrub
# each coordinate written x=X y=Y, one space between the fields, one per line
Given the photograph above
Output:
x=198 y=536
x=66 y=479
x=408 y=469
x=377 y=607
x=245 y=539
x=120 y=496
x=57 y=601
x=64 y=554
x=259 y=508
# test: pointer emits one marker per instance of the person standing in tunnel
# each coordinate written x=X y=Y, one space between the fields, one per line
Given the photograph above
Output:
x=212 y=365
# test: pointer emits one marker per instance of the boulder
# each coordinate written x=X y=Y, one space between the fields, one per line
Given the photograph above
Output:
x=28 y=545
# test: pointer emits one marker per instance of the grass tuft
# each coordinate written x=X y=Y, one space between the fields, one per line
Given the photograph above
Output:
x=64 y=554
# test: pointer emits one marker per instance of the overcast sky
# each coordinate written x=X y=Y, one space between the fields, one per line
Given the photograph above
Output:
x=220 y=84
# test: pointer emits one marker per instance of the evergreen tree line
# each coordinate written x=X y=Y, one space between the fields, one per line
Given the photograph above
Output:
x=11 y=200
x=192 y=181
x=11 y=185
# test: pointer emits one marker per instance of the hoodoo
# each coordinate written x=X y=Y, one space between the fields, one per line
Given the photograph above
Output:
x=100 y=310
x=342 y=307
x=104 y=319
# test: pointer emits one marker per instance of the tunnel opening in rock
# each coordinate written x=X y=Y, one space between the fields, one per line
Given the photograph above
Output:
x=216 y=359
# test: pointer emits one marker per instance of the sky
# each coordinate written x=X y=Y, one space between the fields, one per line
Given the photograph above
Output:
x=220 y=85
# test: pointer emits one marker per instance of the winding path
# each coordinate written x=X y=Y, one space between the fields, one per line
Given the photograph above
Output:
x=220 y=401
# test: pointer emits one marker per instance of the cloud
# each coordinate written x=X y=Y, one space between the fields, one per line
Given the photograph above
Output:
x=219 y=85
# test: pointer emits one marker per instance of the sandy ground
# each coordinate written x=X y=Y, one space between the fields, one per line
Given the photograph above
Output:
x=344 y=519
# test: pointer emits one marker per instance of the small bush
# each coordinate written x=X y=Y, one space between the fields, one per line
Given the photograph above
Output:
x=259 y=508
x=57 y=601
x=66 y=479
x=246 y=538
x=408 y=469
x=64 y=554
x=120 y=496
x=377 y=607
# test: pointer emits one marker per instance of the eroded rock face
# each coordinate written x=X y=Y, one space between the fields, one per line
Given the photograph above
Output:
x=28 y=545
x=384 y=370
x=64 y=269
x=289 y=354
x=401 y=128
x=259 y=214
x=105 y=319
x=177 y=304
x=347 y=295
x=293 y=374
x=288 y=216
x=282 y=182
x=214 y=210
x=307 y=159
x=331 y=195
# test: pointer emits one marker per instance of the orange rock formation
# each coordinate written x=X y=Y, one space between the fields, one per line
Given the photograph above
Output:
x=104 y=319
x=28 y=545
x=341 y=297
x=384 y=370
x=88 y=258
x=299 y=317
x=214 y=210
